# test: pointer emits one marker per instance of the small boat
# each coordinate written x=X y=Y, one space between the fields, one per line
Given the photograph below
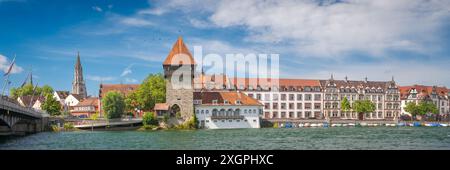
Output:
x=351 y=124
x=363 y=124
x=320 y=125
x=288 y=125
x=443 y=125
x=416 y=124
x=336 y=125
x=390 y=125
x=313 y=125
x=401 y=124
x=410 y=124
x=344 y=125
x=307 y=124
x=432 y=124
x=301 y=125
x=325 y=125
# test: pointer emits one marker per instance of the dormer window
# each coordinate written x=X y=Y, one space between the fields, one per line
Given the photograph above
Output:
x=226 y=102
x=214 y=102
x=197 y=101
x=238 y=102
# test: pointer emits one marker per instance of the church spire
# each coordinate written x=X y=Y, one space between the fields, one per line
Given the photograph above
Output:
x=78 y=85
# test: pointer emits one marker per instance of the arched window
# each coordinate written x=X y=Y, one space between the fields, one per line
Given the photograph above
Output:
x=214 y=112
x=222 y=112
x=203 y=111
x=230 y=112
x=237 y=112
x=207 y=111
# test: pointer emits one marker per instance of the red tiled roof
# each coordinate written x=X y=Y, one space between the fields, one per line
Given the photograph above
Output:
x=92 y=101
x=422 y=90
x=161 y=106
x=179 y=48
x=125 y=89
x=208 y=97
x=27 y=100
x=62 y=94
x=254 y=82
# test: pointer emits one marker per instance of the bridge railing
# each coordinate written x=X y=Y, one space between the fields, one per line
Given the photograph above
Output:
x=6 y=104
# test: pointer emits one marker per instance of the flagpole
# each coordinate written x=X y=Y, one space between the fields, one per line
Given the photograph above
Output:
x=7 y=75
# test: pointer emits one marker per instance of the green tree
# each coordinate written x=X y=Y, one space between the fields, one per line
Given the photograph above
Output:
x=413 y=109
x=52 y=106
x=364 y=106
x=151 y=91
x=149 y=119
x=46 y=90
x=421 y=109
x=29 y=89
x=131 y=102
x=113 y=105
x=345 y=105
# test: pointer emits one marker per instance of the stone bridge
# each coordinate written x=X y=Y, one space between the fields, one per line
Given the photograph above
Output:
x=16 y=119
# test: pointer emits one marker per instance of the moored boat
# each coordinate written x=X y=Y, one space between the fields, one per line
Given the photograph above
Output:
x=401 y=124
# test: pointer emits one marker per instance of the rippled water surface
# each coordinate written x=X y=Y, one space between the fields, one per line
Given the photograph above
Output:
x=266 y=138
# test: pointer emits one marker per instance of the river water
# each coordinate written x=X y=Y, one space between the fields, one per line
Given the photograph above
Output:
x=260 y=139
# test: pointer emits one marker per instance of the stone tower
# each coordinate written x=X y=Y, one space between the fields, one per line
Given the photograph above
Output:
x=78 y=85
x=179 y=68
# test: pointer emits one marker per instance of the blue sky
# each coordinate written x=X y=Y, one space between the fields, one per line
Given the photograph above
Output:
x=123 y=41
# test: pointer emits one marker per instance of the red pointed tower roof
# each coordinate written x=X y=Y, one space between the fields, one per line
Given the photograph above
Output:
x=179 y=48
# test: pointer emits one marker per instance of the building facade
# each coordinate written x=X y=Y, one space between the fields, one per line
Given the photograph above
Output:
x=86 y=108
x=226 y=110
x=385 y=95
x=419 y=93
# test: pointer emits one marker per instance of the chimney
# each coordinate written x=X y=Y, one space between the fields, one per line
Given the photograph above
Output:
x=365 y=79
x=346 y=79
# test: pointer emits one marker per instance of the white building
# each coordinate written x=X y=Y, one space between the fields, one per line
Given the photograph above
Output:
x=34 y=102
x=61 y=96
x=226 y=110
x=419 y=93
x=288 y=99
x=72 y=100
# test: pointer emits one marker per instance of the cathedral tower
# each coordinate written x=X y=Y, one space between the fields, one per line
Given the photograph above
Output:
x=78 y=85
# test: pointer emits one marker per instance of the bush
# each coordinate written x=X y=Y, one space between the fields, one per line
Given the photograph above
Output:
x=69 y=126
x=190 y=124
x=149 y=119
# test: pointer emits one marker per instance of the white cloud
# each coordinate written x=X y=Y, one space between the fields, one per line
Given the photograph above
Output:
x=5 y=64
x=96 y=8
x=100 y=78
x=127 y=71
x=325 y=28
x=130 y=80
x=156 y=11
x=331 y=29
x=134 y=21
x=200 y=23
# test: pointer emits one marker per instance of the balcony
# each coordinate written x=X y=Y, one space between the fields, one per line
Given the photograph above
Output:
x=227 y=117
